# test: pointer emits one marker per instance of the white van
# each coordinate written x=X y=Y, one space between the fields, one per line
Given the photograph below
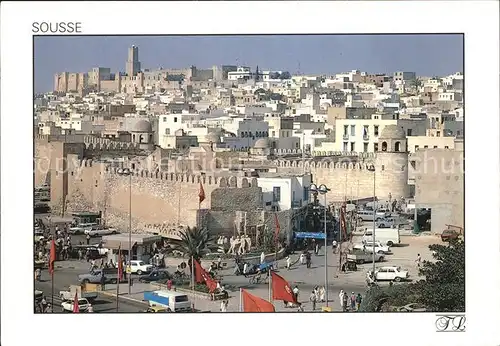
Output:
x=387 y=236
x=367 y=215
x=171 y=300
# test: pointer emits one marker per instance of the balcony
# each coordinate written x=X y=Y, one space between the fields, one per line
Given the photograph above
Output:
x=345 y=136
x=366 y=137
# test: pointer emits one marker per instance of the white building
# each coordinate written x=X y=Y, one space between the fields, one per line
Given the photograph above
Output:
x=242 y=72
x=283 y=193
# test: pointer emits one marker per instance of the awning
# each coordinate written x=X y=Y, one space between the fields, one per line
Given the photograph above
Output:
x=114 y=244
x=309 y=235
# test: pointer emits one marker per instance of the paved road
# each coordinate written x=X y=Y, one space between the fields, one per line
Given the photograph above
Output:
x=64 y=277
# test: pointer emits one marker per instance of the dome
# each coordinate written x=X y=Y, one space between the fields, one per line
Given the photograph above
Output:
x=392 y=132
x=261 y=143
x=213 y=137
x=142 y=126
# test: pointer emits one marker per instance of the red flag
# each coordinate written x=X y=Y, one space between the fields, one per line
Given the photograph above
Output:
x=202 y=276
x=52 y=257
x=201 y=194
x=120 y=264
x=281 y=289
x=252 y=303
x=278 y=228
x=76 y=307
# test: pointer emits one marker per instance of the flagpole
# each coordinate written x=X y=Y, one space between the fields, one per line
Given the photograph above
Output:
x=270 y=288
x=52 y=288
x=241 y=300
x=193 y=279
x=119 y=276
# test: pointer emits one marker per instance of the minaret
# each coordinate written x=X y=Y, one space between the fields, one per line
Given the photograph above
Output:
x=257 y=74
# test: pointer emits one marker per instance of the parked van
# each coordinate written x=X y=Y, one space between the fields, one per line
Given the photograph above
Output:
x=171 y=300
x=367 y=215
x=387 y=236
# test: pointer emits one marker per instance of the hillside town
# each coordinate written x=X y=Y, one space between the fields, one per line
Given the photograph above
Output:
x=242 y=189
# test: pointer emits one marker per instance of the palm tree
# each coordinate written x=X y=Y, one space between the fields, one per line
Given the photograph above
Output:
x=195 y=242
x=416 y=83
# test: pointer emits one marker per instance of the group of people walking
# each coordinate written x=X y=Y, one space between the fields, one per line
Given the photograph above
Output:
x=317 y=295
x=350 y=303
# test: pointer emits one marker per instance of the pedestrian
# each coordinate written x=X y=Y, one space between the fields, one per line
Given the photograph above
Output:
x=223 y=306
x=322 y=294
x=353 y=301
x=43 y=304
x=359 y=299
x=313 y=299
x=219 y=262
x=169 y=284
x=345 y=302
x=48 y=309
x=418 y=260
x=296 y=293
x=103 y=282
x=288 y=262
x=341 y=296
x=302 y=258
x=88 y=239
x=90 y=308
x=262 y=257
x=308 y=259
x=245 y=268
x=334 y=246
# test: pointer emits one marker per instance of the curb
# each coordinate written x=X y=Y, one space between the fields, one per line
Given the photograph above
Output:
x=122 y=297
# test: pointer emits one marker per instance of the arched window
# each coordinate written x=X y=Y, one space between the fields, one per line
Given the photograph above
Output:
x=384 y=146
x=397 y=146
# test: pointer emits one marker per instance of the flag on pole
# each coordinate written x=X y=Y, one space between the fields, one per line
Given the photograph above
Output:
x=278 y=228
x=202 y=276
x=281 y=289
x=201 y=194
x=120 y=264
x=76 y=307
x=252 y=303
x=52 y=257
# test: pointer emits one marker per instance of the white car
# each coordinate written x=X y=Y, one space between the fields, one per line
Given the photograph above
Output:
x=368 y=247
x=139 y=267
x=100 y=232
x=391 y=274
x=83 y=305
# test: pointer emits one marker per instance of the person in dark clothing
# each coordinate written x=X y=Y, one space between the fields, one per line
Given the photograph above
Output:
x=308 y=259
x=103 y=282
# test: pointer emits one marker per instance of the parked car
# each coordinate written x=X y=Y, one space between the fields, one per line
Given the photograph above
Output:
x=99 y=232
x=156 y=275
x=95 y=276
x=82 y=228
x=368 y=247
x=449 y=234
x=139 y=267
x=360 y=257
x=69 y=294
x=83 y=305
x=391 y=274
x=386 y=222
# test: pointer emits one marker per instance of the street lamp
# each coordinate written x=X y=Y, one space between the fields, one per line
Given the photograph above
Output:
x=322 y=190
x=128 y=172
x=372 y=169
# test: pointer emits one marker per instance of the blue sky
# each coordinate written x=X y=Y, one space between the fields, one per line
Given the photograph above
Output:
x=425 y=54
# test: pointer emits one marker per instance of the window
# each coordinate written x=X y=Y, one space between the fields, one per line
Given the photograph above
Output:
x=446 y=147
x=276 y=194
x=164 y=119
x=397 y=146
x=167 y=131
x=383 y=167
x=346 y=127
x=384 y=146
x=353 y=130
x=435 y=147
x=175 y=119
x=345 y=146
x=426 y=146
x=375 y=146
x=365 y=130
x=306 y=194
x=408 y=132
x=375 y=130
x=353 y=145
x=365 y=147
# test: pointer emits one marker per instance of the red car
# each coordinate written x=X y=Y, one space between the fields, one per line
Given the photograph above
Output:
x=448 y=235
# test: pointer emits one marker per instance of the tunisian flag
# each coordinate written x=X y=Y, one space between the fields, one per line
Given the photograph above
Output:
x=76 y=307
x=278 y=228
x=252 y=303
x=52 y=257
x=201 y=194
x=281 y=289
x=202 y=276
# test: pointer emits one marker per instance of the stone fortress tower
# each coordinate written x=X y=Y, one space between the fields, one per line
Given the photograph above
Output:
x=391 y=164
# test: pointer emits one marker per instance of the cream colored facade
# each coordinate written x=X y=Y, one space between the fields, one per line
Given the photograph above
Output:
x=426 y=142
x=359 y=135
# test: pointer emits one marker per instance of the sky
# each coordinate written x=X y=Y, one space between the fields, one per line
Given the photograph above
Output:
x=427 y=55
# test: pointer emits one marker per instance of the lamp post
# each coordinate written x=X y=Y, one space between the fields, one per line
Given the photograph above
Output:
x=372 y=169
x=322 y=190
x=128 y=172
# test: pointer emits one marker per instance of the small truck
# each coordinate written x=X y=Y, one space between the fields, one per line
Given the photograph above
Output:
x=360 y=257
x=83 y=292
